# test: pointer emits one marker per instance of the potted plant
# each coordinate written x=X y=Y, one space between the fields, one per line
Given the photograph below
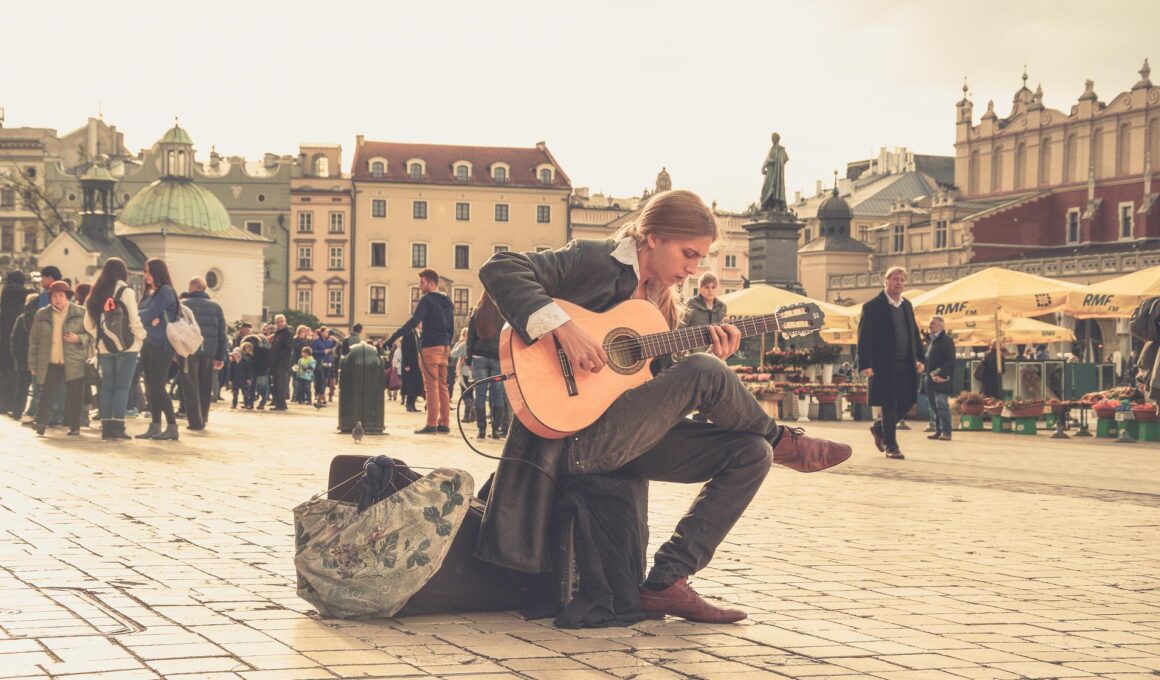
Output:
x=825 y=394
x=971 y=403
x=1145 y=413
x=1105 y=409
x=1018 y=408
x=826 y=356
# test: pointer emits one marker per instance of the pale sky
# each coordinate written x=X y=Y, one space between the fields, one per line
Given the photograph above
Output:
x=616 y=89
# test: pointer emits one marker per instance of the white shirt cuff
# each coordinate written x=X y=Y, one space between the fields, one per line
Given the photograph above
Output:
x=546 y=319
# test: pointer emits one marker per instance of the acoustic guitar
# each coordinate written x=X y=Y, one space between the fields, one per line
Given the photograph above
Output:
x=553 y=401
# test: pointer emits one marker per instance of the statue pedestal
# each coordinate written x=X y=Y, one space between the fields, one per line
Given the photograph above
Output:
x=773 y=247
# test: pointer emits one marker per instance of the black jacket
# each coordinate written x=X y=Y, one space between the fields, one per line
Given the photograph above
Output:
x=261 y=354
x=940 y=356
x=12 y=299
x=480 y=347
x=516 y=525
x=437 y=315
x=212 y=322
x=19 y=340
x=697 y=313
x=876 y=350
x=282 y=349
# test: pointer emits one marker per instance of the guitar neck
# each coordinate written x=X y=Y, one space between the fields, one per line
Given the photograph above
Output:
x=696 y=337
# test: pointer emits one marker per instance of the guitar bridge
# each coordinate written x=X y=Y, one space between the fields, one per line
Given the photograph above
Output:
x=566 y=368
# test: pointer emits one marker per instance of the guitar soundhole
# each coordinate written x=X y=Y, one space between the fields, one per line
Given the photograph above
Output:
x=624 y=351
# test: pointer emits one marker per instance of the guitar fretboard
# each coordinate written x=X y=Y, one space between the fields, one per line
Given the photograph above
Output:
x=695 y=337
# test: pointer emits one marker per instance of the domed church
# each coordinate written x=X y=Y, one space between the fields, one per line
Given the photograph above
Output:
x=173 y=219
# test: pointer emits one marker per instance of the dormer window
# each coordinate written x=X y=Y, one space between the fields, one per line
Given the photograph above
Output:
x=415 y=170
x=378 y=169
x=499 y=173
x=545 y=176
x=322 y=166
x=462 y=172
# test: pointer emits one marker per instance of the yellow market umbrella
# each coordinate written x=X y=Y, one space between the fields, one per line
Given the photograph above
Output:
x=1115 y=298
x=839 y=336
x=763 y=299
x=993 y=291
x=1019 y=330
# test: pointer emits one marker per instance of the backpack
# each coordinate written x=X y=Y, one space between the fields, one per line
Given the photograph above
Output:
x=183 y=332
x=1145 y=322
x=113 y=330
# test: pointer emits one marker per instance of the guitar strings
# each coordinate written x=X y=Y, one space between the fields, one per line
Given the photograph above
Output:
x=660 y=342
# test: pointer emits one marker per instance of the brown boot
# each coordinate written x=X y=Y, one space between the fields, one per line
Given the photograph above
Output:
x=681 y=600
x=807 y=454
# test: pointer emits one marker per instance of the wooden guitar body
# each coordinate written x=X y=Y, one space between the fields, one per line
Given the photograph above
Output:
x=539 y=389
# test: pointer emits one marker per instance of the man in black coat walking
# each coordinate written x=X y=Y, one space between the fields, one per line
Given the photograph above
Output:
x=940 y=364
x=198 y=368
x=12 y=299
x=890 y=355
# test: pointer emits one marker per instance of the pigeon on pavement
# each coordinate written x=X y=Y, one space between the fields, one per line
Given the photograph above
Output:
x=358 y=432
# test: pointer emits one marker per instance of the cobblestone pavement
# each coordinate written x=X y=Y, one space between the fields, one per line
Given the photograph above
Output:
x=993 y=556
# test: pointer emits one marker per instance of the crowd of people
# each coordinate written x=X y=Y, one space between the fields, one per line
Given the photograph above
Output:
x=66 y=351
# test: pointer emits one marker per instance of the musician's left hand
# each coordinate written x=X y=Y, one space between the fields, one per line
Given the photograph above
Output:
x=726 y=340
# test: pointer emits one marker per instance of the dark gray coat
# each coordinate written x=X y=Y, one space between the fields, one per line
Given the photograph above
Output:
x=212 y=322
x=940 y=356
x=517 y=522
x=876 y=350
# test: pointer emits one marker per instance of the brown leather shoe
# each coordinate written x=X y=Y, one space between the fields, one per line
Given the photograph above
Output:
x=879 y=436
x=807 y=454
x=681 y=600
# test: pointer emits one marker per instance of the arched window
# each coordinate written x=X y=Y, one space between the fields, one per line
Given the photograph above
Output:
x=377 y=169
x=170 y=160
x=461 y=173
x=321 y=166
x=1021 y=165
x=416 y=171
x=545 y=176
x=1097 y=155
x=1070 y=158
x=181 y=163
x=1045 y=162
x=997 y=170
x=500 y=174
x=1124 y=150
x=974 y=186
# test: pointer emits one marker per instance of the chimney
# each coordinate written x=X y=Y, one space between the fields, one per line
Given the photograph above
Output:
x=359 y=140
x=542 y=146
x=818 y=188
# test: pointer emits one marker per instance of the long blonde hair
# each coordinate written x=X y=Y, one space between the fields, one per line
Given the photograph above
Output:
x=676 y=215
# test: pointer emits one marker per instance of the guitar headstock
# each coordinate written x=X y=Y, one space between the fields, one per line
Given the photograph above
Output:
x=800 y=318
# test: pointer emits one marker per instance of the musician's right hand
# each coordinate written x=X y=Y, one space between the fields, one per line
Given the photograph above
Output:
x=868 y=372
x=582 y=350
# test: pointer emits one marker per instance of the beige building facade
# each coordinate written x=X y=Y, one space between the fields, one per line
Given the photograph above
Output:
x=449 y=208
x=321 y=233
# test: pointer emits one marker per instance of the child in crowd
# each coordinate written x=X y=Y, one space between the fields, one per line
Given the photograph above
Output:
x=239 y=373
x=305 y=375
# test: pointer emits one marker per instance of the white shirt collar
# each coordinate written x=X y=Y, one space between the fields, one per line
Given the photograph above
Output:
x=626 y=253
x=891 y=300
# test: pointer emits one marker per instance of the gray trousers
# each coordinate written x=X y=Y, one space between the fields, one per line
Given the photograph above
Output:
x=645 y=433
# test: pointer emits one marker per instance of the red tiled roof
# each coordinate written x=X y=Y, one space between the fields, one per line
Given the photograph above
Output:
x=440 y=161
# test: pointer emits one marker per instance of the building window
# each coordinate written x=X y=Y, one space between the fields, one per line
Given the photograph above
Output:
x=8 y=198
x=730 y=261
x=322 y=167
x=543 y=214
x=864 y=234
x=462 y=257
x=306 y=257
x=1073 y=225
x=461 y=173
x=1126 y=220
x=499 y=249
x=379 y=207
x=254 y=227
x=500 y=175
x=899 y=240
x=305 y=222
x=378 y=254
x=416 y=171
x=334 y=302
x=337 y=255
x=305 y=301
x=337 y=222
x=501 y=212
x=463 y=211
x=8 y=237
x=461 y=297
x=545 y=176
x=378 y=300
x=419 y=210
x=940 y=234
x=261 y=198
x=418 y=255
x=415 y=295
x=377 y=169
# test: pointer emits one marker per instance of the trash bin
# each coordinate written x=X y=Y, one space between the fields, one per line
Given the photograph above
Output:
x=361 y=384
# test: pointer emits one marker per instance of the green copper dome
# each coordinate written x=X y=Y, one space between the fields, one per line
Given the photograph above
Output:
x=176 y=201
x=176 y=135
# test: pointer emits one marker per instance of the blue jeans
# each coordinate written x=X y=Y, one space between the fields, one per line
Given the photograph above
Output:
x=116 y=376
x=941 y=410
x=482 y=367
x=260 y=387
